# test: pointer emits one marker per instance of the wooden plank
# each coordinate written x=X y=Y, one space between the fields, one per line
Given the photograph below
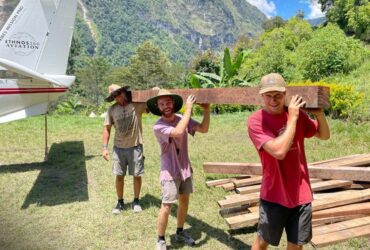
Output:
x=343 y=235
x=219 y=182
x=316 y=185
x=342 y=198
x=335 y=219
x=340 y=172
x=228 y=186
x=359 y=185
x=349 y=160
x=242 y=220
x=357 y=208
x=334 y=159
x=240 y=200
x=254 y=208
x=315 y=96
x=232 y=168
x=326 y=171
x=325 y=185
x=247 y=182
x=341 y=225
x=248 y=190
x=232 y=196
x=229 y=212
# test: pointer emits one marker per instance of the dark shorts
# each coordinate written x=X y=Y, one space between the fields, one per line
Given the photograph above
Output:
x=133 y=158
x=274 y=218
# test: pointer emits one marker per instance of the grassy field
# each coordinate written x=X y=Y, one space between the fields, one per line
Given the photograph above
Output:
x=66 y=202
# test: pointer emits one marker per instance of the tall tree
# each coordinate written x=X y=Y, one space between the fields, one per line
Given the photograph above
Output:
x=148 y=67
x=74 y=53
x=353 y=16
x=275 y=50
x=275 y=22
x=92 y=79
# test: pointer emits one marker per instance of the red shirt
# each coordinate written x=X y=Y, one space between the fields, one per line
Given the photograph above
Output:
x=286 y=181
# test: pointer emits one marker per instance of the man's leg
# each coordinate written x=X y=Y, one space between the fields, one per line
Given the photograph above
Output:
x=182 y=210
x=119 y=186
x=137 y=186
x=299 y=227
x=163 y=215
x=292 y=246
x=259 y=244
x=136 y=168
x=119 y=190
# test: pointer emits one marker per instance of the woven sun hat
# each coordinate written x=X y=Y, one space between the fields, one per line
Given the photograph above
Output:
x=114 y=90
x=272 y=82
x=152 y=102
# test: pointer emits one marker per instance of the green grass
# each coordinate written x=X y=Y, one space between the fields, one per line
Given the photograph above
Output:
x=66 y=202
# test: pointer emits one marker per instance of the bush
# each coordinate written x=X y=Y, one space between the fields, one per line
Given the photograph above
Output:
x=329 y=52
x=70 y=106
x=345 y=101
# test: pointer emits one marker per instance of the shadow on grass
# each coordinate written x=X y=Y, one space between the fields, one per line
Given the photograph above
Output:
x=62 y=178
x=197 y=228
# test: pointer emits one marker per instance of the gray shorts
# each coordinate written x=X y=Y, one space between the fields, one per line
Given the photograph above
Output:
x=296 y=221
x=131 y=157
x=172 y=188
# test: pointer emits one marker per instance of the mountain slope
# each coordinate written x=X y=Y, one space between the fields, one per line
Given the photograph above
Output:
x=179 y=27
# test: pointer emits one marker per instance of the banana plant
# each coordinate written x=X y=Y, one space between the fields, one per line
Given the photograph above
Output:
x=228 y=75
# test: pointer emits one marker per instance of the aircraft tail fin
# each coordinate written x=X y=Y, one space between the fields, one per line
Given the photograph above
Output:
x=38 y=35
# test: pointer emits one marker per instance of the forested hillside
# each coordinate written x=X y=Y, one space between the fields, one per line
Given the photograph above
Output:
x=178 y=27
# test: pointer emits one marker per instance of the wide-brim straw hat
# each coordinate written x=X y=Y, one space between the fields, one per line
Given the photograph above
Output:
x=114 y=90
x=153 y=106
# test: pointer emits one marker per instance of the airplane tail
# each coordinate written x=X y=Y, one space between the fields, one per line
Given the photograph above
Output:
x=38 y=35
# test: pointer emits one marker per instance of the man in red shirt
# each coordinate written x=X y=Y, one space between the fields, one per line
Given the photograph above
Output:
x=278 y=134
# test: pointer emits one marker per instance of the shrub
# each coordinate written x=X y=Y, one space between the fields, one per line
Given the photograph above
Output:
x=345 y=101
x=69 y=107
x=329 y=52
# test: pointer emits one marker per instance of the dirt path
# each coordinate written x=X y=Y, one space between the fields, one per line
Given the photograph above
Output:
x=89 y=22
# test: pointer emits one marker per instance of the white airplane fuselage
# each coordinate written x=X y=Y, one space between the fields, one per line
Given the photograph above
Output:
x=21 y=98
x=34 y=49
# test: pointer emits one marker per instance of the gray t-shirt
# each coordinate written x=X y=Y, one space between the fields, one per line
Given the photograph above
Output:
x=127 y=123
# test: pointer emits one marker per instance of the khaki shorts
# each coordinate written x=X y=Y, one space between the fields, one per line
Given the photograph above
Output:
x=133 y=158
x=172 y=188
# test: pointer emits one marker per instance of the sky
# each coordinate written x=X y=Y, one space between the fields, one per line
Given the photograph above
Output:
x=288 y=8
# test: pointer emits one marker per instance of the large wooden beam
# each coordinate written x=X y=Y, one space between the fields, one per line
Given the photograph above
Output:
x=343 y=235
x=341 y=226
x=341 y=199
x=232 y=168
x=315 y=96
x=357 y=208
x=340 y=172
x=327 y=171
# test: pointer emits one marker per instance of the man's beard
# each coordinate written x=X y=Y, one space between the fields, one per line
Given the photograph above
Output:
x=167 y=114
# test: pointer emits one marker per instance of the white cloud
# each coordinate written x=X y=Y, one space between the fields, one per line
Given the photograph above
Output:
x=267 y=7
x=315 y=10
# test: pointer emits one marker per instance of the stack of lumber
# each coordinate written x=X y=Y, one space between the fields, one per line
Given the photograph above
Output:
x=341 y=206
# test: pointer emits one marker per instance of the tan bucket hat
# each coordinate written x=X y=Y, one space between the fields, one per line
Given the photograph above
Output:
x=152 y=102
x=115 y=90
x=272 y=82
